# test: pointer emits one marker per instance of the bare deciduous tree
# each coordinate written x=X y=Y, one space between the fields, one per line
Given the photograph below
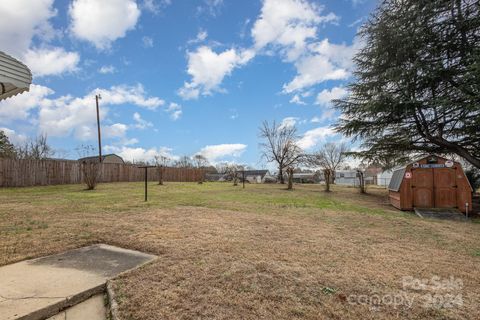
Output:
x=184 y=162
x=222 y=167
x=233 y=170
x=36 y=149
x=329 y=157
x=161 y=162
x=280 y=146
x=201 y=163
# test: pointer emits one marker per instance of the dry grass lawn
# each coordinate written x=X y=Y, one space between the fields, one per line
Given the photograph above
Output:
x=255 y=253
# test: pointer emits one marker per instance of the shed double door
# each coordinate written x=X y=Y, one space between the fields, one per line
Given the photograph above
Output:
x=434 y=188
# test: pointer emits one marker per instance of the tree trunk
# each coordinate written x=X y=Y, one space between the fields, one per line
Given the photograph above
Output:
x=361 y=179
x=280 y=175
x=160 y=175
x=326 y=174
x=290 y=178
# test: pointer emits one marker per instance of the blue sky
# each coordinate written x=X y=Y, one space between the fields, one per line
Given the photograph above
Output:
x=179 y=77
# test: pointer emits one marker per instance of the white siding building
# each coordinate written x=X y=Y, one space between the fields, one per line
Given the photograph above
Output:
x=346 y=178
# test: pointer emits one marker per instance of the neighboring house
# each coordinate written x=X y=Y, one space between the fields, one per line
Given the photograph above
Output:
x=371 y=174
x=350 y=178
x=251 y=176
x=268 y=178
x=384 y=178
x=254 y=176
x=307 y=177
x=214 y=177
x=107 y=158
x=346 y=178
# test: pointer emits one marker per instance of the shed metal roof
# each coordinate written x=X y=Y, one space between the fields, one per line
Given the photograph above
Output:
x=15 y=77
x=104 y=156
x=397 y=179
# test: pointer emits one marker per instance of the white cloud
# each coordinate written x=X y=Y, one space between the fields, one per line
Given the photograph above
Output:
x=140 y=154
x=325 y=61
x=313 y=137
x=288 y=122
x=211 y=7
x=357 y=2
x=55 y=61
x=147 y=42
x=67 y=115
x=356 y=22
x=19 y=107
x=14 y=137
x=175 y=110
x=21 y=22
x=312 y=70
x=297 y=100
x=208 y=69
x=129 y=94
x=116 y=130
x=201 y=36
x=288 y=25
x=154 y=6
x=325 y=97
x=140 y=123
x=107 y=69
x=327 y=114
x=219 y=151
x=61 y=116
x=102 y=22
x=340 y=54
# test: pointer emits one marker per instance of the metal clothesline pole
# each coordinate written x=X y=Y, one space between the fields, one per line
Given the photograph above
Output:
x=146 y=180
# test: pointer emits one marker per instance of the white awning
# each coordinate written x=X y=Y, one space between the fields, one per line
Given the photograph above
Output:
x=15 y=77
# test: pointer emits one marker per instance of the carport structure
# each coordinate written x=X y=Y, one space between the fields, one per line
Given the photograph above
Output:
x=15 y=77
x=430 y=182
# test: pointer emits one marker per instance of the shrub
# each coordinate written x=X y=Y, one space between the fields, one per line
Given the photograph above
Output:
x=90 y=173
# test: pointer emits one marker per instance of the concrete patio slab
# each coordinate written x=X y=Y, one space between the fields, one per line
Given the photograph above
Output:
x=440 y=213
x=41 y=288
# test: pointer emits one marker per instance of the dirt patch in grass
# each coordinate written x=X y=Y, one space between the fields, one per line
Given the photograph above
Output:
x=262 y=252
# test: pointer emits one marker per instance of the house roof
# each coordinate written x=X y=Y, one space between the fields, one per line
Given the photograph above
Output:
x=256 y=172
x=95 y=158
x=305 y=175
x=15 y=77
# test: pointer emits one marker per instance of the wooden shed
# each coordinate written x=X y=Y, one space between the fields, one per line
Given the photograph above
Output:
x=430 y=182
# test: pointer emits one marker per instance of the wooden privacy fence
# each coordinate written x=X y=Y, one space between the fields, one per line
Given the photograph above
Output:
x=24 y=173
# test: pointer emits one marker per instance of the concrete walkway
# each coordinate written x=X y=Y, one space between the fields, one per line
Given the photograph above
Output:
x=41 y=288
x=440 y=213
x=91 y=309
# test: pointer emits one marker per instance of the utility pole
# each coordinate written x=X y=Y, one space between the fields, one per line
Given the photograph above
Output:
x=97 y=97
